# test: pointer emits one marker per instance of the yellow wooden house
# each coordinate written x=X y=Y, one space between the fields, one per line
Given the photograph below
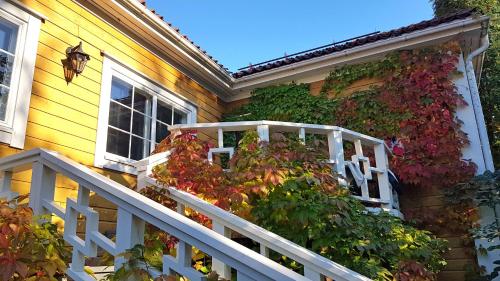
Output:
x=143 y=76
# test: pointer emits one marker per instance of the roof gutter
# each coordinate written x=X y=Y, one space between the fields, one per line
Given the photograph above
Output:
x=476 y=103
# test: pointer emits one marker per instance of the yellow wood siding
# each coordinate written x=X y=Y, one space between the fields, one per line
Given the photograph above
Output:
x=63 y=117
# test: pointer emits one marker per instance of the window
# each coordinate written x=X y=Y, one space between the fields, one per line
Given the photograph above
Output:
x=135 y=115
x=8 y=36
x=19 y=30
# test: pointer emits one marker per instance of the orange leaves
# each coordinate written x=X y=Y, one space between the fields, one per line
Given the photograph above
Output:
x=273 y=176
x=28 y=251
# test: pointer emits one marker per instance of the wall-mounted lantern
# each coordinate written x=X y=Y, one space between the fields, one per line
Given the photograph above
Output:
x=75 y=62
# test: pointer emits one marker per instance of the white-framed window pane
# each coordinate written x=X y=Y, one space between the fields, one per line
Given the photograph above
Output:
x=161 y=132
x=142 y=101
x=139 y=148
x=141 y=125
x=164 y=113
x=119 y=116
x=6 y=65
x=180 y=117
x=4 y=96
x=8 y=39
x=118 y=142
x=8 y=36
x=121 y=92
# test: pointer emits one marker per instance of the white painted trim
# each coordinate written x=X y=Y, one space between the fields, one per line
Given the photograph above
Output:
x=166 y=42
x=112 y=68
x=28 y=9
x=13 y=129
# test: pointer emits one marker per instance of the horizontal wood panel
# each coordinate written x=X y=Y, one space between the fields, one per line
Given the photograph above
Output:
x=63 y=116
x=58 y=82
x=84 y=158
x=59 y=137
x=90 y=81
x=55 y=54
x=87 y=21
x=72 y=103
x=62 y=124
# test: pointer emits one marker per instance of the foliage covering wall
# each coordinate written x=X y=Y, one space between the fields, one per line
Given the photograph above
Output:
x=415 y=103
x=490 y=78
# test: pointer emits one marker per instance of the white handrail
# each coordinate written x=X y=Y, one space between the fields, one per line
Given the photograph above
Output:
x=133 y=211
x=311 y=261
x=336 y=136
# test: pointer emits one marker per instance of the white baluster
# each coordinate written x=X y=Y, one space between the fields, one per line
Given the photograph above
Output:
x=367 y=173
x=382 y=176
x=220 y=137
x=312 y=275
x=181 y=208
x=182 y=263
x=336 y=150
x=264 y=250
x=263 y=132
x=223 y=270
x=43 y=181
x=81 y=248
x=302 y=135
x=6 y=187
x=129 y=232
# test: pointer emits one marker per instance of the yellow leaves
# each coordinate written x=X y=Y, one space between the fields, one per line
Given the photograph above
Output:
x=273 y=176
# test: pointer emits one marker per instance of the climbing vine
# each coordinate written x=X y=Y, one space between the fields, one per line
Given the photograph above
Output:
x=280 y=103
x=415 y=103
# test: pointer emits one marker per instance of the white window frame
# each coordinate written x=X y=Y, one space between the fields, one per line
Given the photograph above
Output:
x=13 y=128
x=112 y=68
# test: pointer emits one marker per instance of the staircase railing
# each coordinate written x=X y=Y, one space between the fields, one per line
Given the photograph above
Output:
x=316 y=267
x=133 y=212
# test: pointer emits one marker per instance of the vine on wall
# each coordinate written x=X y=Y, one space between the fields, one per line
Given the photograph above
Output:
x=415 y=103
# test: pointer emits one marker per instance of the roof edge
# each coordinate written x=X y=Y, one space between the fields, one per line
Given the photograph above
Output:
x=409 y=40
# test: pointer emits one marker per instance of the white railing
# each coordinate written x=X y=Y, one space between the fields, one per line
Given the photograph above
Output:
x=134 y=210
x=359 y=163
x=316 y=267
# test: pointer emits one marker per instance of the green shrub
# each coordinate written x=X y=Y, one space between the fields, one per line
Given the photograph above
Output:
x=284 y=187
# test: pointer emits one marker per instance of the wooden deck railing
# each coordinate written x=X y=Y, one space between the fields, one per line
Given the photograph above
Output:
x=135 y=210
x=363 y=169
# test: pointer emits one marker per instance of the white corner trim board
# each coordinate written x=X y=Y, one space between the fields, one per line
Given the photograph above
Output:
x=13 y=126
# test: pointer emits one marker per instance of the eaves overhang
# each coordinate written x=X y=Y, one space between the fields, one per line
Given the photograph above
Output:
x=469 y=29
x=197 y=65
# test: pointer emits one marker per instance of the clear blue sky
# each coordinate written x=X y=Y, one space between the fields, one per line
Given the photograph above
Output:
x=237 y=32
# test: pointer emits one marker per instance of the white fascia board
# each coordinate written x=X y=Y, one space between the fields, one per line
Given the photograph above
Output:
x=171 y=43
x=186 y=43
x=298 y=70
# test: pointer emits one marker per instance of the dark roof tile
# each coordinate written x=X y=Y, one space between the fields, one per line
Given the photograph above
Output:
x=355 y=43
